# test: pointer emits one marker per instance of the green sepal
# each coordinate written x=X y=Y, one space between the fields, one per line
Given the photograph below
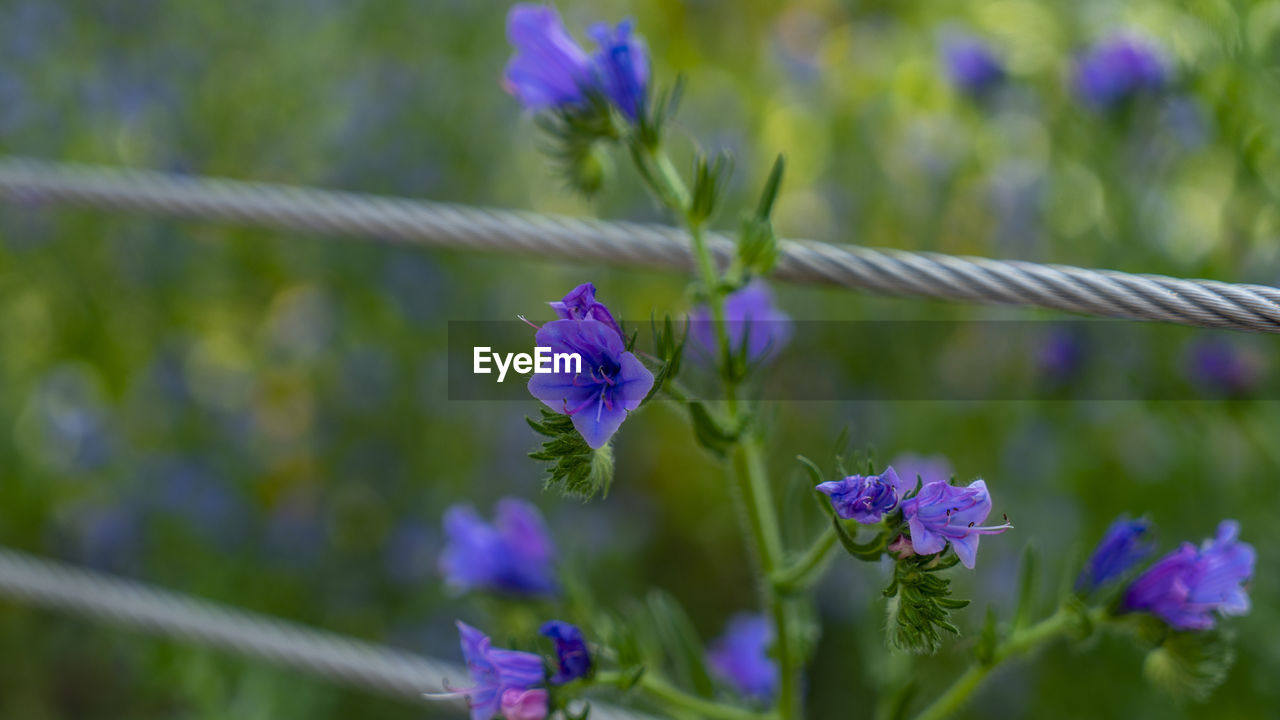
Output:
x=985 y=651
x=710 y=432
x=668 y=348
x=920 y=604
x=575 y=469
x=1191 y=664
x=868 y=552
x=710 y=175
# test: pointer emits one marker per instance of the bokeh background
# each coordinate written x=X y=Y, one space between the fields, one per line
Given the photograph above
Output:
x=260 y=418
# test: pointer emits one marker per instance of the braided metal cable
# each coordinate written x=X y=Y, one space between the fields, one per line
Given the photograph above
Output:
x=126 y=602
x=1206 y=303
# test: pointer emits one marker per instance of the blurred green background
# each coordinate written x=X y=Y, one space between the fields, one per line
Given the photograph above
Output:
x=260 y=418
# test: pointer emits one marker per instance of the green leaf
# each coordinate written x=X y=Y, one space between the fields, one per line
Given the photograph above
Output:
x=1027 y=576
x=710 y=432
x=680 y=642
x=869 y=552
x=574 y=468
x=920 y=605
x=985 y=650
x=669 y=349
x=1191 y=664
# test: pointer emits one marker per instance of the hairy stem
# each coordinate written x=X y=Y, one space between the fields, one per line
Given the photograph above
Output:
x=658 y=688
x=802 y=573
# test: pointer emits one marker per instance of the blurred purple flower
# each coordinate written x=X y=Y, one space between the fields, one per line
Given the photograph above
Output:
x=1125 y=544
x=549 y=69
x=740 y=657
x=503 y=681
x=613 y=382
x=1117 y=69
x=1060 y=355
x=971 y=64
x=866 y=498
x=1186 y=586
x=409 y=552
x=1221 y=366
x=623 y=64
x=925 y=468
x=943 y=513
x=581 y=304
x=514 y=555
x=752 y=320
x=572 y=657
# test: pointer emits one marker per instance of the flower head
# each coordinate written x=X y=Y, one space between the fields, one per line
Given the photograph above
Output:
x=503 y=681
x=571 y=651
x=1117 y=69
x=549 y=69
x=1125 y=544
x=613 y=382
x=866 y=498
x=580 y=304
x=1187 y=586
x=514 y=554
x=752 y=320
x=740 y=656
x=623 y=64
x=942 y=513
x=971 y=64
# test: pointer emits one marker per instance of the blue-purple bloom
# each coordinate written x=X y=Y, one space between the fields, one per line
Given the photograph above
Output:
x=623 y=65
x=613 y=382
x=752 y=320
x=572 y=657
x=581 y=304
x=513 y=555
x=504 y=682
x=1187 y=586
x=971 y=64
x=740 y=657
x=1118 y=69
x=548 y=69
x=866 y=498
x=1220 y=366
x=942 y=513
x=1125 y=544
x=1060 y=356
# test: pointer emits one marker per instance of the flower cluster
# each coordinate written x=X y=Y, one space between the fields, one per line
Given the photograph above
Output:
x=1118 y=69
x=514 y=555
x=551 y=71
x=612 y=381
x=1188 y=587
x=866 y=498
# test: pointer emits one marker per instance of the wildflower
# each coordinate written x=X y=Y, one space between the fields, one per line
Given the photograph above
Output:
x=613 y=382
x=866 y=498
x=1125 y=544
x=740 y=657
x=1118 y=69
x=503 y=681
x=580 y=304
x=1060 y=356
x=1186 y=586
x=752 y=322
x=623 y=64
x=926 y=469
x=549 y=69
x=943 y=513
x=514 y=554
x=1223 y=367
x=971 y=65
x=571 y=651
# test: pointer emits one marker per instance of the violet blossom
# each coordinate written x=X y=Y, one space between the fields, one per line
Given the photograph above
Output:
x=866 y=498
x=504 y=682
x=1188 y=586
x=514 y=555
x=1125 y=544
x=740 y=657
x=942 y=513
x=572 y=657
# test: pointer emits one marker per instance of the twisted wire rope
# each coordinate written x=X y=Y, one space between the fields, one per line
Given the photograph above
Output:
x=1106 y=293
x=96 y=595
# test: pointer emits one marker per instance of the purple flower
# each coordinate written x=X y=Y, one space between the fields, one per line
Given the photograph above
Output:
x=971 y=64
x=866 y=498
x=1222 y=367
x=503 y=681
x=1117 y=69
x=514 y=554
x=612 y=381
x=943 y=513
x=1060 y=356
x=751 y=319
x=548 y=69
x=571 y=651
x=623 y=64
x=580 y=304
x=740 y=657
x=926 y=468
x=1125 y=544
x=1186 y=587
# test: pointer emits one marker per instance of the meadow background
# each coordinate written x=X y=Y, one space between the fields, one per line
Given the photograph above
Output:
x=260 y=418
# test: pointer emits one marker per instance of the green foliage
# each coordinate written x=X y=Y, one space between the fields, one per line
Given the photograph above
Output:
x=920 y=603
x=1191 y=664
x=711 y=432
x=668 y=348
x=576 y=469
x=757 y=239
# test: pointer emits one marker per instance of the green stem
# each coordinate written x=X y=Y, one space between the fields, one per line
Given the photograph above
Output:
x=1016 y=644
x=805 y=570
x=662 y=690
